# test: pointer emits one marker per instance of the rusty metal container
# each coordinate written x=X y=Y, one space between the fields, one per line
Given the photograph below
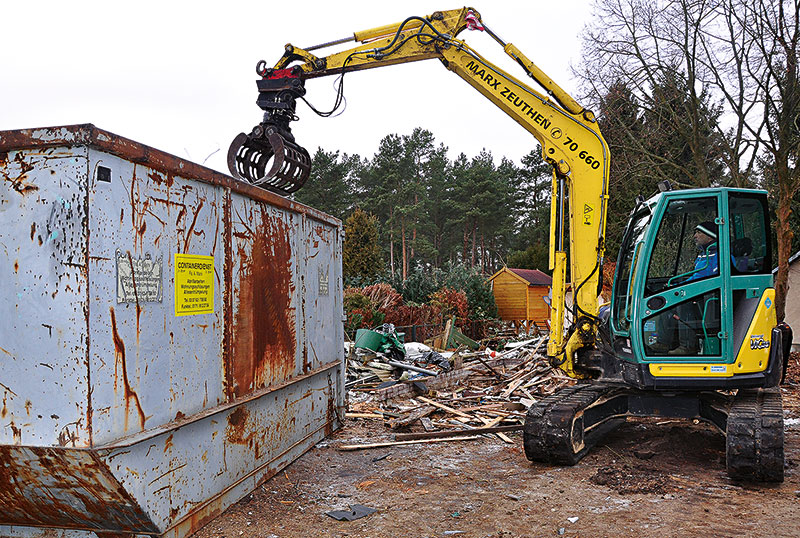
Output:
x=169 y=337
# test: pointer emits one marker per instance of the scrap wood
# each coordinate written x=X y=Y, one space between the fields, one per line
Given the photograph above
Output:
x=411 y=416
x=439 y=382
x=491 y=423
x=504 y=414
x=453 y=433
x=427 y=424
x=446 y=408
x=512 y=387
x=412 y=442
x=363 y=415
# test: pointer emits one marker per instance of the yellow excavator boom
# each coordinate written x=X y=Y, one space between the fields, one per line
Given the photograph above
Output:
x=568 y=134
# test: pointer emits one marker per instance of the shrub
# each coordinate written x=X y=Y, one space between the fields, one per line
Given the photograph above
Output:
x=451 y=303
x=383 y=296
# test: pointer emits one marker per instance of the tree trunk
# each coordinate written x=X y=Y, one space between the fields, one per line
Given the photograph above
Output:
x=483 y=255
x=785 y=235
x=414 y=231
x=403 y=239
x=465 y=249
x=474 y=243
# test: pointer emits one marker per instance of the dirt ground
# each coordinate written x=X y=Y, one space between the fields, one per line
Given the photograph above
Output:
x=649 y=478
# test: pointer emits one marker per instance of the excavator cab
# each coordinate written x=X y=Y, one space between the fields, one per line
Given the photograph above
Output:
x=693 y=302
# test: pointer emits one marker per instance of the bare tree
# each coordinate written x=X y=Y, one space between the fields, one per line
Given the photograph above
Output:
x=744 y=54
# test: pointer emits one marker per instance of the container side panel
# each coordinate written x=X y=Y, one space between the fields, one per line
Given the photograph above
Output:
x=44 y=396
x=263 y=304
x=205 y=466
x=149 y=365
x=68 y=488
x=321 y=298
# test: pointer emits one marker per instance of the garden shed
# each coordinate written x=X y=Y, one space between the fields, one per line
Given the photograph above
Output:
x=520 y=296
x=792 y=302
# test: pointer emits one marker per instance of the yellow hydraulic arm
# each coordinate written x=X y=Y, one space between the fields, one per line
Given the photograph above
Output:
x=568 y=134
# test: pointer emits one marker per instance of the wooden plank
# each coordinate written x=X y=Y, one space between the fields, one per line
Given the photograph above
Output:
x=412 y=416
x=455 y=433
x=445 y=408
x=489 y=423
x=397 y=443
x=363 y=415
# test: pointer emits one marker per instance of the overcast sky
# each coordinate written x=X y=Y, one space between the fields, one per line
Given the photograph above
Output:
x=180 y=76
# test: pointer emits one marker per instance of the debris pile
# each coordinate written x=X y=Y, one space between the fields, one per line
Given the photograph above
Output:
x=431 y=394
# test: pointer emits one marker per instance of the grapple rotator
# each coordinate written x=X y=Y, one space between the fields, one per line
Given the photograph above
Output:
x=268 y=156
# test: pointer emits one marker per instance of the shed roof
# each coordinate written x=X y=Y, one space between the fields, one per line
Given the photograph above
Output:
x=533 y=276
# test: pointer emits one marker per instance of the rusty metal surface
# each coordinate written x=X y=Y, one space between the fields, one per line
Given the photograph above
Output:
x=65 y=487
x=43 y=270
x=184 y=413
x=83 y=135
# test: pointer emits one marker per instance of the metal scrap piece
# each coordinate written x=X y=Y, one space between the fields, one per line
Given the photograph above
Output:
x=357 y=511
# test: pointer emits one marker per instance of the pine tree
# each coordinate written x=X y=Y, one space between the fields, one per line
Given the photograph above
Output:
x=361 y=252
x=330 y=187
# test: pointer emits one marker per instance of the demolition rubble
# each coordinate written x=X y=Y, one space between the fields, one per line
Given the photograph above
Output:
x=449 y=389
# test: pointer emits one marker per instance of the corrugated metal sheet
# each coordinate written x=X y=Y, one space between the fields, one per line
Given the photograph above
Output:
x=128 y=407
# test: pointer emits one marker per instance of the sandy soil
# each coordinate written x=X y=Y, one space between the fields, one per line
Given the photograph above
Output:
x=649 y=478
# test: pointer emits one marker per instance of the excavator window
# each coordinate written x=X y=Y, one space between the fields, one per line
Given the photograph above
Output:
x=686 y=246
x=631 y=245
x=750 y=245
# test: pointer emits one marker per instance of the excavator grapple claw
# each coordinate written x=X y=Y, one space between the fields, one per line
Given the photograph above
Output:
x=268 y=159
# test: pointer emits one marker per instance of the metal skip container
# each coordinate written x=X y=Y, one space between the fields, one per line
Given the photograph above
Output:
x=169 y=337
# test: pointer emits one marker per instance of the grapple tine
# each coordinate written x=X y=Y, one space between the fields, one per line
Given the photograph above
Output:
x=269 y=160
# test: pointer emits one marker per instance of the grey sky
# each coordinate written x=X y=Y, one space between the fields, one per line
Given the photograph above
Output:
x=180 y=76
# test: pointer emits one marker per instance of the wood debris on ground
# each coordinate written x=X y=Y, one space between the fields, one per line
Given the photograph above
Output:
x=436 y=395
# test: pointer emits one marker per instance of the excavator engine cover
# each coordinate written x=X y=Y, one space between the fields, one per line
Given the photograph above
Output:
x=269 y=157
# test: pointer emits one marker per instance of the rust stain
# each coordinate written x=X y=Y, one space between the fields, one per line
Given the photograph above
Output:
x=4 y=411
x=139 y=208
x=190 y=232
x=16 y=266
x=120 y=365
x=330 y=414
x=28 y=406
x=236 y=431
x=53 y=487
x=168 y=444
x=263 y=335
x=19 y=183
x=65 y=437
x=167 y=178
x=135 y=296
x=216 y=231
x=227 y=296
x=33 y=230
x=16 y=432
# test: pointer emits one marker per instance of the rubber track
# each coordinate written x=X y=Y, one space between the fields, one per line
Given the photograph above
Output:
x=754 y=445
x=547 y=435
